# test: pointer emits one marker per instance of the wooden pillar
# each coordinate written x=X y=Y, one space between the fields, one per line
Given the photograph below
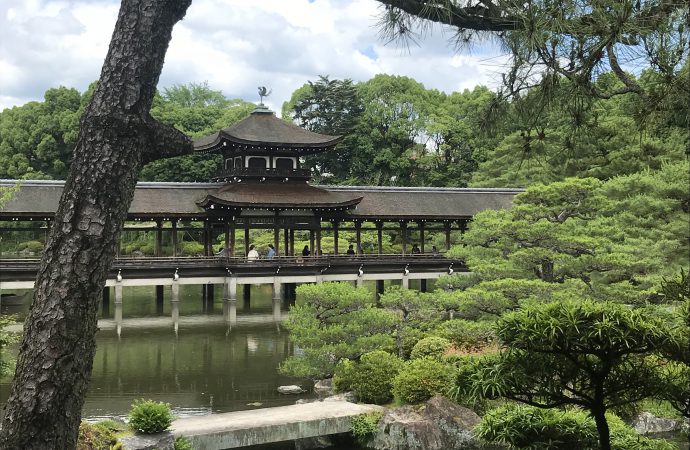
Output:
x=276 y=238
x=422 y=285
x=174 y=237
x=286 y=240
x=246 y=238
x=292 y=241
x=358 y=237
x=336 y=224
x=311 y=242
x=227 y=238
x=421 y=236
x=232 y=237
x=207 y=238
x=403 y=235
x=318 y=238
x=379 y=237
x=447 y=230
x=463 y=227
x=158 y=249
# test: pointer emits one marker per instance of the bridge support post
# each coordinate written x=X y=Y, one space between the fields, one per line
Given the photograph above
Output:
x=208 y=295
x=380 y=286
x=230 y=288
x=422 y=285
x=405 y=284
x=247 y=293
x=277 y=289
x=359 y=282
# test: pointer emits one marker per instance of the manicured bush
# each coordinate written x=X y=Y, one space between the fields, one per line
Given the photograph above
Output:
x=191 y=249
x=372 y=377
x=148 y=416
x=467 y=334
x=95 y=437
x=365 y=425
x=432 y=347
x=342 y=376
x=421 y=379
x=522 y=426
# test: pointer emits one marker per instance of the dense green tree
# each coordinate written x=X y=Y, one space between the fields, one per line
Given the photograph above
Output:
x=196 y=110
x=586 y=354
x=327 y=107
x=610 y=137
x=333 y=321
x=594 y=239
x=36 y=139
x=390 y=131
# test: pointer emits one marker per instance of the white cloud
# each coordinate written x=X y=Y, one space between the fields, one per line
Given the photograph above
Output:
x=235 y=45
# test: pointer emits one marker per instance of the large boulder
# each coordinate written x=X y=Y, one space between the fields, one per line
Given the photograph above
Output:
x=290 y=389
x=647 y=423
x=438 y=425
x=324 y=388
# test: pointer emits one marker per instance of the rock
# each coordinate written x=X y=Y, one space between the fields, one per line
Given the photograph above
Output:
x=438 y=425
x=324 y=388
x=342 y=397
x=302 y=401
x=158 y=441
x=646 y=423
x=291 y=389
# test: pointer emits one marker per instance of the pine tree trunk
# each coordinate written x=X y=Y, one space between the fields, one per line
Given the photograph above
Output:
x=116 y=136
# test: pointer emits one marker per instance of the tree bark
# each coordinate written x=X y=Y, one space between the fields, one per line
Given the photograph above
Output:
x=116 y=136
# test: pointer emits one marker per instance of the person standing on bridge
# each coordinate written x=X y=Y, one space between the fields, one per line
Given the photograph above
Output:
x=305 y=251
x=253 y=255
x=271 y=252
x=351 y=250
x=416 y=250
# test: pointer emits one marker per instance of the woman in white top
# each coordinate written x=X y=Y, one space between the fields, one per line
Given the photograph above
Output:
x=253 y=254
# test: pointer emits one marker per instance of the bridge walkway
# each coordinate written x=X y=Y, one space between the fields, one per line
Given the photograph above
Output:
x=268 y=425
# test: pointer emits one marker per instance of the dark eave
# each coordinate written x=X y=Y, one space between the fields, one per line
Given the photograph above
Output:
x=279 y=196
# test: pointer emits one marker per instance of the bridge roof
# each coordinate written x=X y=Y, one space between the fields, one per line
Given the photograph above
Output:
x=263 y=128
x=39 y=199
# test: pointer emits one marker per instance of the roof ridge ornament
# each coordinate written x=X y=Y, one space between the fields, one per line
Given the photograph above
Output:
x=263 y=92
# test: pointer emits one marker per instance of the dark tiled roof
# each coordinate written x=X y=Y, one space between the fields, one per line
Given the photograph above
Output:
x=262 y=127
x=279 y=195
x=40 y=199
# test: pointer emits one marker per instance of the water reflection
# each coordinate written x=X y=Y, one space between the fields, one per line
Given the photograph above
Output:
x=217 y=361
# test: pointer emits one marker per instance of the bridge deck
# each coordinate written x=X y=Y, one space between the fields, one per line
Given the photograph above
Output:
x=267 y=425
x=194 y=267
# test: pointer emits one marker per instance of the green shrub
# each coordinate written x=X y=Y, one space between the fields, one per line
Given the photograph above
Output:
x=365 y=425
x=191 y=248
x=432 y=347
x=149 y=417
x=95 y=437
x=372 y=377
x=467 y=334
x=32 y=246
x=342 y=375
x=148 y=249
x=533 y=428
x=182 y=443
x=421 y=379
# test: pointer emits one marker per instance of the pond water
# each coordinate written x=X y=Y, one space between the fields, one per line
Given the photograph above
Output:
x=207 y=366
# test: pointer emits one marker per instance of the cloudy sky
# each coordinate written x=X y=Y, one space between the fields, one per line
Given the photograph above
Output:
x=235 y=45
